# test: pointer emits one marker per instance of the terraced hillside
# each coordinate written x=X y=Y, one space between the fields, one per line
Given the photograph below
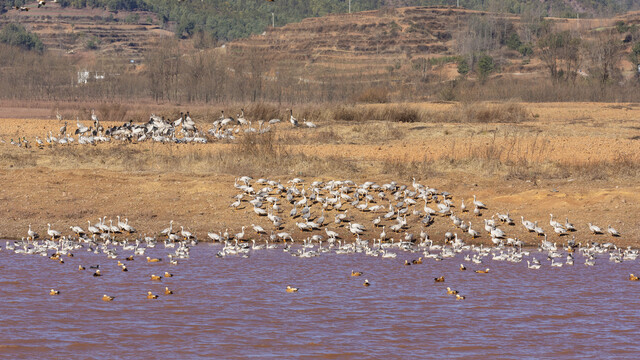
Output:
x=83 y=30
x=378 y=43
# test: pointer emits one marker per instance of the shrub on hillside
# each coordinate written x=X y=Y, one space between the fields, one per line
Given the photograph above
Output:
x=373 y=95
x=17 y=35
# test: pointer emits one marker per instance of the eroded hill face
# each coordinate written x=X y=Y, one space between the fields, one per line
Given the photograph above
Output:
x=366 y=42
x=403 y=44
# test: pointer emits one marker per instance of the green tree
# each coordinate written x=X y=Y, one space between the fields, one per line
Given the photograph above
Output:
x=560 y=52
x=634 y=57
x=526 y=49
x=621 y=27
x=485 y=66
x=463 y=67
x=513 y=41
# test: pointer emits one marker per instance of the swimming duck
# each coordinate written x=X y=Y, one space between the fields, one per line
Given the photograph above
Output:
x=451 y=292
x=124 y=268
x=482 y=271
x=633 y=277
x=534 y=266
x=80 y=267
x=291 y=289
x=167 y=291
x=356 y=273
x=153 y=260
x=97 y=273
x=167 y=274
x=439 y=279
x=419 y=261
x=156 y=277
x=54 y=292
x=366 y=283
x=406 y=262
x=120 y=264
x=462 y=267
x=460 y=297
x=106 y=297
x=150 y=295
x=129 y=258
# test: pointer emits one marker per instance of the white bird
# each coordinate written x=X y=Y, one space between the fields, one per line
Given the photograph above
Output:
x=528 y=224
x=478 y=204
x=474 y=234
x=168 y=230
x=52 y=233
x=32 y=234
x=594 y=229
x=569 y=226
x=309 y=124
x=128 y=227
x=240 y=235
x=81 y=128
x=463 y=207
x=556 y=264
x=256 y=247
x=332 y=234
x=383 y=234
x=77 y=229
x=185 y=234
x=258 y=229
x=259 y=211
x=92 y=229
x=612 y=231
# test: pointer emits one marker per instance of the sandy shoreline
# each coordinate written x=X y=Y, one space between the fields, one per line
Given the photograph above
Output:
x=152 y=184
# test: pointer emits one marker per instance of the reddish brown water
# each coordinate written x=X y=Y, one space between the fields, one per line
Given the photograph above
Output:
x=237 y=308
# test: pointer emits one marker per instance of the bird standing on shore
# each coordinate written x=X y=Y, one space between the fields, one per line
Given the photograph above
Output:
x=292 y=120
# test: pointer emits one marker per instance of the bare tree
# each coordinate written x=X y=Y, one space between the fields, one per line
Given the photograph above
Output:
x=604 y=54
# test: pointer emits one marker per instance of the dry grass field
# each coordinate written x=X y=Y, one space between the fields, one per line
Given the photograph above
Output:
x=575 y=160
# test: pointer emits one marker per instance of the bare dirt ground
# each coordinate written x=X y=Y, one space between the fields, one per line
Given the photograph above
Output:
x=577 y=160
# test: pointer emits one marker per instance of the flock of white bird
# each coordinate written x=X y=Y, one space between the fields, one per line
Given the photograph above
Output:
x=294 y=208
x=394 y=210
x=157 y=129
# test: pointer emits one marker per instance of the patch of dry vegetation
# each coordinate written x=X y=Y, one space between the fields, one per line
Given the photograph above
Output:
x=507 y=112
x=491 y=141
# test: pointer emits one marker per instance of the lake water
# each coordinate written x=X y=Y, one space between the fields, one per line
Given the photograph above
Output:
x=237 y=308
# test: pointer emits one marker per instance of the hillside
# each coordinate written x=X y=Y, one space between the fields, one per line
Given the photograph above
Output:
x=410 y=53
x=400 y=45
x=229 y=19
x=363 y=44
x=73 y=31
